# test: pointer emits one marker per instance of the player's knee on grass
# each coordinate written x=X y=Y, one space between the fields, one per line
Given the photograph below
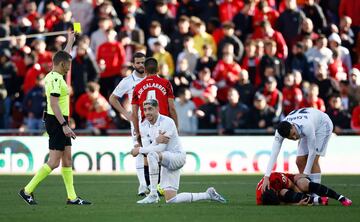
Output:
x=169 y=195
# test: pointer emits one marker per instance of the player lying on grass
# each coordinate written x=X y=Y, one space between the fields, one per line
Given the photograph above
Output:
x=295 y=189
x=161 y=145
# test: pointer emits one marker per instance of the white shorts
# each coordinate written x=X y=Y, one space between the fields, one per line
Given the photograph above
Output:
x=322 y=139
x=170 y=171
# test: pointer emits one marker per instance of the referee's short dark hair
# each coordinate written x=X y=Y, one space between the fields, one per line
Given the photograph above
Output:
x=61 y=56
x=138 y=55
x=151 y=65
x=284 y=129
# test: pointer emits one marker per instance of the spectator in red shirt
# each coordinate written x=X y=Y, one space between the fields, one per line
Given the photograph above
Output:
x=38 y=27
x=355 y=119
x=274 y=97
x=98 y=119
x=312 y=99
x=226 y=74
x=228 y=9
x=264 y=12
x=18 y=51
x=110 y=56
x=351 y=9
x=204 y=85
x=31 y=10
x=87 y=101
x=268 y=33
x=44 y=56
x=336 y=66
x=32 y=73
x=292 y=94
x=250 y=63
x=52 y=15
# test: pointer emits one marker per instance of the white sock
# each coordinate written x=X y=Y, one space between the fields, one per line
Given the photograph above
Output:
x=153 y=162
x=189 y=197
x=315 y=177
x=139 y=163
x=316 y=200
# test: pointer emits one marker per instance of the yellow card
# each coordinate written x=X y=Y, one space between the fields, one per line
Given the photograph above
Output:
x=77 y=27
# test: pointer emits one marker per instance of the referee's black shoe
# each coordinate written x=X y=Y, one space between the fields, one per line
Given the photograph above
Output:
x=29 y=199
x=78 y=201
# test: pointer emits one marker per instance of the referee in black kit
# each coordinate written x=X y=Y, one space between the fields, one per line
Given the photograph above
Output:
x=56 y=122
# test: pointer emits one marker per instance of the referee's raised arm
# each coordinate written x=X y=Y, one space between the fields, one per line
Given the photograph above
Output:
x=70 y=42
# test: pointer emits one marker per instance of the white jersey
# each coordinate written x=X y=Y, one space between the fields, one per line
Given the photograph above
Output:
x=149 y=133
x=127 y=85
x=310 y=123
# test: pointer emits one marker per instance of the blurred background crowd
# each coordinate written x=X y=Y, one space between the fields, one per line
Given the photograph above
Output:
x=235 y=65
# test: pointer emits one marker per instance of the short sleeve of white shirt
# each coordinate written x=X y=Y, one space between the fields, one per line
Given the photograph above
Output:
x=121 y=89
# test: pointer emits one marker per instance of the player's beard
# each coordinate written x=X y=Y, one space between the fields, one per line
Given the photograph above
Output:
x=140 y=71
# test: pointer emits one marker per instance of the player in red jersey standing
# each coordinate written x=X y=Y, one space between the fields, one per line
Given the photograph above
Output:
x=152 y=87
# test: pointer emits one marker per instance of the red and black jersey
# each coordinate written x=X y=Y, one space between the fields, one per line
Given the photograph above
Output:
x=153 y=87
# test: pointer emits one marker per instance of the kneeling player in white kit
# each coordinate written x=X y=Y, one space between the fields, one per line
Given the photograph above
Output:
x=161 y=144
x=313 y=128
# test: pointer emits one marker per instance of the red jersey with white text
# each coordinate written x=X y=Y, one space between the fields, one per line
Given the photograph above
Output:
x=278 y=181
x=153 y=87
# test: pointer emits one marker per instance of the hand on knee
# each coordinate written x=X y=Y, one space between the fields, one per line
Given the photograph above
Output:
x=169 y=195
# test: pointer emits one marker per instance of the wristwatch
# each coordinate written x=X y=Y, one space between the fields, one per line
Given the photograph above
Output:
x=64 y=123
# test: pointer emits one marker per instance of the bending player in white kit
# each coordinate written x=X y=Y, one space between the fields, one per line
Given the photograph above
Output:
x=161 y=144
x=313 y=128
x=126 y=86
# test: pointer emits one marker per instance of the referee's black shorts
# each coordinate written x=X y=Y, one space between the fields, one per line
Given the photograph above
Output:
x=57 y=138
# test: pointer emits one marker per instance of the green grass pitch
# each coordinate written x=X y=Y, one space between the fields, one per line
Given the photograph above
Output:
x=114 y=199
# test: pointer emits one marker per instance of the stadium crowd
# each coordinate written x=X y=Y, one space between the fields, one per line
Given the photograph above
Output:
x=233 y=64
